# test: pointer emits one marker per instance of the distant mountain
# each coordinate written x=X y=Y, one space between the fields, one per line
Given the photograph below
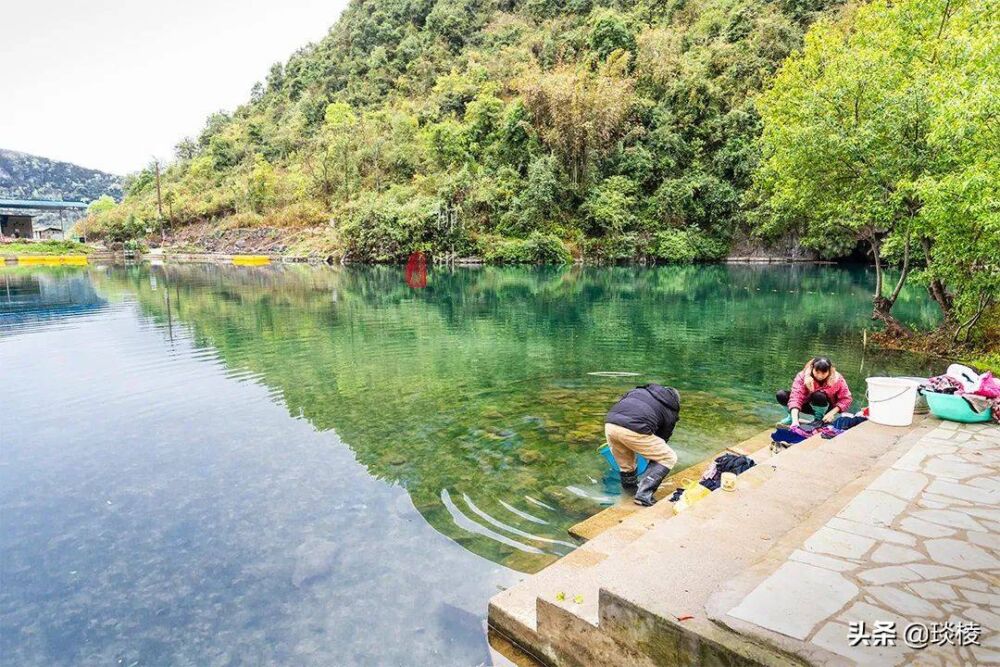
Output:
x=24 y=176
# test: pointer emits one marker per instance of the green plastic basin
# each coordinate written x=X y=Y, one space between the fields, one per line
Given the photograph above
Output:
x=955 y=408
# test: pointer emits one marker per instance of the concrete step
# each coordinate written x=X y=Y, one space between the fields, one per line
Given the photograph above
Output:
x=632 y=584
x=569 y=576
x=574 y=640
x=589 y=528
x=514 y=612
x=678 y=564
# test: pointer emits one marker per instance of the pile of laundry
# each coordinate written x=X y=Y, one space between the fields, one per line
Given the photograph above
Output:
x=711 y=479
x=981 y=392
x=784 y=436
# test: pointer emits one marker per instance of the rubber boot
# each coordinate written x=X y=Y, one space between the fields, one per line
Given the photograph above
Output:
x=630 y=480
x=655 y=474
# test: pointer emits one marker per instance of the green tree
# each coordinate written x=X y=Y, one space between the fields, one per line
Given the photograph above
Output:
x=102 y=204
x=453 y=20
x=960 y=192
x=610 y=32
x=537 y=202
x=610 y=207
x=855 y=137
x=186 y=149
x=579 y=114
x=260 y=185
x=333 y=162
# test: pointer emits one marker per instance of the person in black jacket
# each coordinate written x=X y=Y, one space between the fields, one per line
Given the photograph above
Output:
x=641 y=422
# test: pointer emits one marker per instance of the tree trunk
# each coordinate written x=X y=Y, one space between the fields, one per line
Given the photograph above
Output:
x=904 y=274
x=985 y=301
x=883 y=313
x=873 y=242
x=882 y=306
x=935 y=286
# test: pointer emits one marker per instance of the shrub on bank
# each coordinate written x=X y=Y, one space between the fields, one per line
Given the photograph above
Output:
x=538 y=248
x=123 y=231
x=611 y=249
x=298 y=215
x=675 y=246
x=683 y=246
x=388 y=227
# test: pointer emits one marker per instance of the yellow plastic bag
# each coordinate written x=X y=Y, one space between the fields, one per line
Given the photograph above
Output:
x=692 y=494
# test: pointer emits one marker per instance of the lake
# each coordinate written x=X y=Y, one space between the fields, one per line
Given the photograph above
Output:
x=214 y=465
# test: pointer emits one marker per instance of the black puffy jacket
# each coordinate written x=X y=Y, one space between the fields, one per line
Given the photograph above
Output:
x=649 y=409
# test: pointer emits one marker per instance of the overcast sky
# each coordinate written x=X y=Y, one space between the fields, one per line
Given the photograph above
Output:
x=108 y=84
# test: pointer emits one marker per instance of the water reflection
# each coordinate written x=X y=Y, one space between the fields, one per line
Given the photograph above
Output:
x=489 y=385
x=210 y=464
x=155 y=511
x=29 y=298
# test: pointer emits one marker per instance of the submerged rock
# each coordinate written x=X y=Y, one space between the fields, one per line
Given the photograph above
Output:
x=395 y=459
x=528 y=563
x=530 y=456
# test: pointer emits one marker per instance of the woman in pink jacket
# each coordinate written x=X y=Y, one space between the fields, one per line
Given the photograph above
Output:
x=818 y=388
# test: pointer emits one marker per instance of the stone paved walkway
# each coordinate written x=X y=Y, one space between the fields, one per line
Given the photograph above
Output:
x=921 y=544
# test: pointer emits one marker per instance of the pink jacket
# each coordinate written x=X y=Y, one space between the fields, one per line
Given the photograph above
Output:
x=835 y=388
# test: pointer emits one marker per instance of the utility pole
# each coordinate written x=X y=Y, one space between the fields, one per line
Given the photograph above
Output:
x=159 y=199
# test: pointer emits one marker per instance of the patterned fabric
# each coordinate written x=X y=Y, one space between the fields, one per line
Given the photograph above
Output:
x=981 y=403
x=943 y=384
x=979 y=400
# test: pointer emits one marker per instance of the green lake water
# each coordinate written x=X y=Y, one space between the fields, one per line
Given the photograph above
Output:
x=211 y=464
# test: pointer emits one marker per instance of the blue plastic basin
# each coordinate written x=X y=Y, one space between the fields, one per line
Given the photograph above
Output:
x=640 y=461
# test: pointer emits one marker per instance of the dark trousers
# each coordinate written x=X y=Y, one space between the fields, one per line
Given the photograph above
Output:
x=817 y=399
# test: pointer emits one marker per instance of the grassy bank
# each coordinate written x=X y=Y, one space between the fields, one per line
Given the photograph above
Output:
x=983 y=353
x=989 y=361
x=44 y=248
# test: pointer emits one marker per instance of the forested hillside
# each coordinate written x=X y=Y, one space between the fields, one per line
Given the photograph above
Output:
x=24 y=176
x=519 y=130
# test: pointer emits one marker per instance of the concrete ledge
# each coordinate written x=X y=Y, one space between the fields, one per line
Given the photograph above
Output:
x=623 y=601
x=219 y=258
x=668 y=641
x=588 y=529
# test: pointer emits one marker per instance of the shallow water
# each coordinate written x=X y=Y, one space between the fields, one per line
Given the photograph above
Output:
x=207 y=464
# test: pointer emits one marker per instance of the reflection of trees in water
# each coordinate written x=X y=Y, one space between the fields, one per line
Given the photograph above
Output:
x=477 y=385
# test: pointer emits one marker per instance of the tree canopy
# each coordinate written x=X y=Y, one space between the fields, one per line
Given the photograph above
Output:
x=884 y=129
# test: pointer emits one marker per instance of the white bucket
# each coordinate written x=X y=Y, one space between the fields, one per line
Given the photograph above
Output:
x=891 y=400
x=920 y=407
